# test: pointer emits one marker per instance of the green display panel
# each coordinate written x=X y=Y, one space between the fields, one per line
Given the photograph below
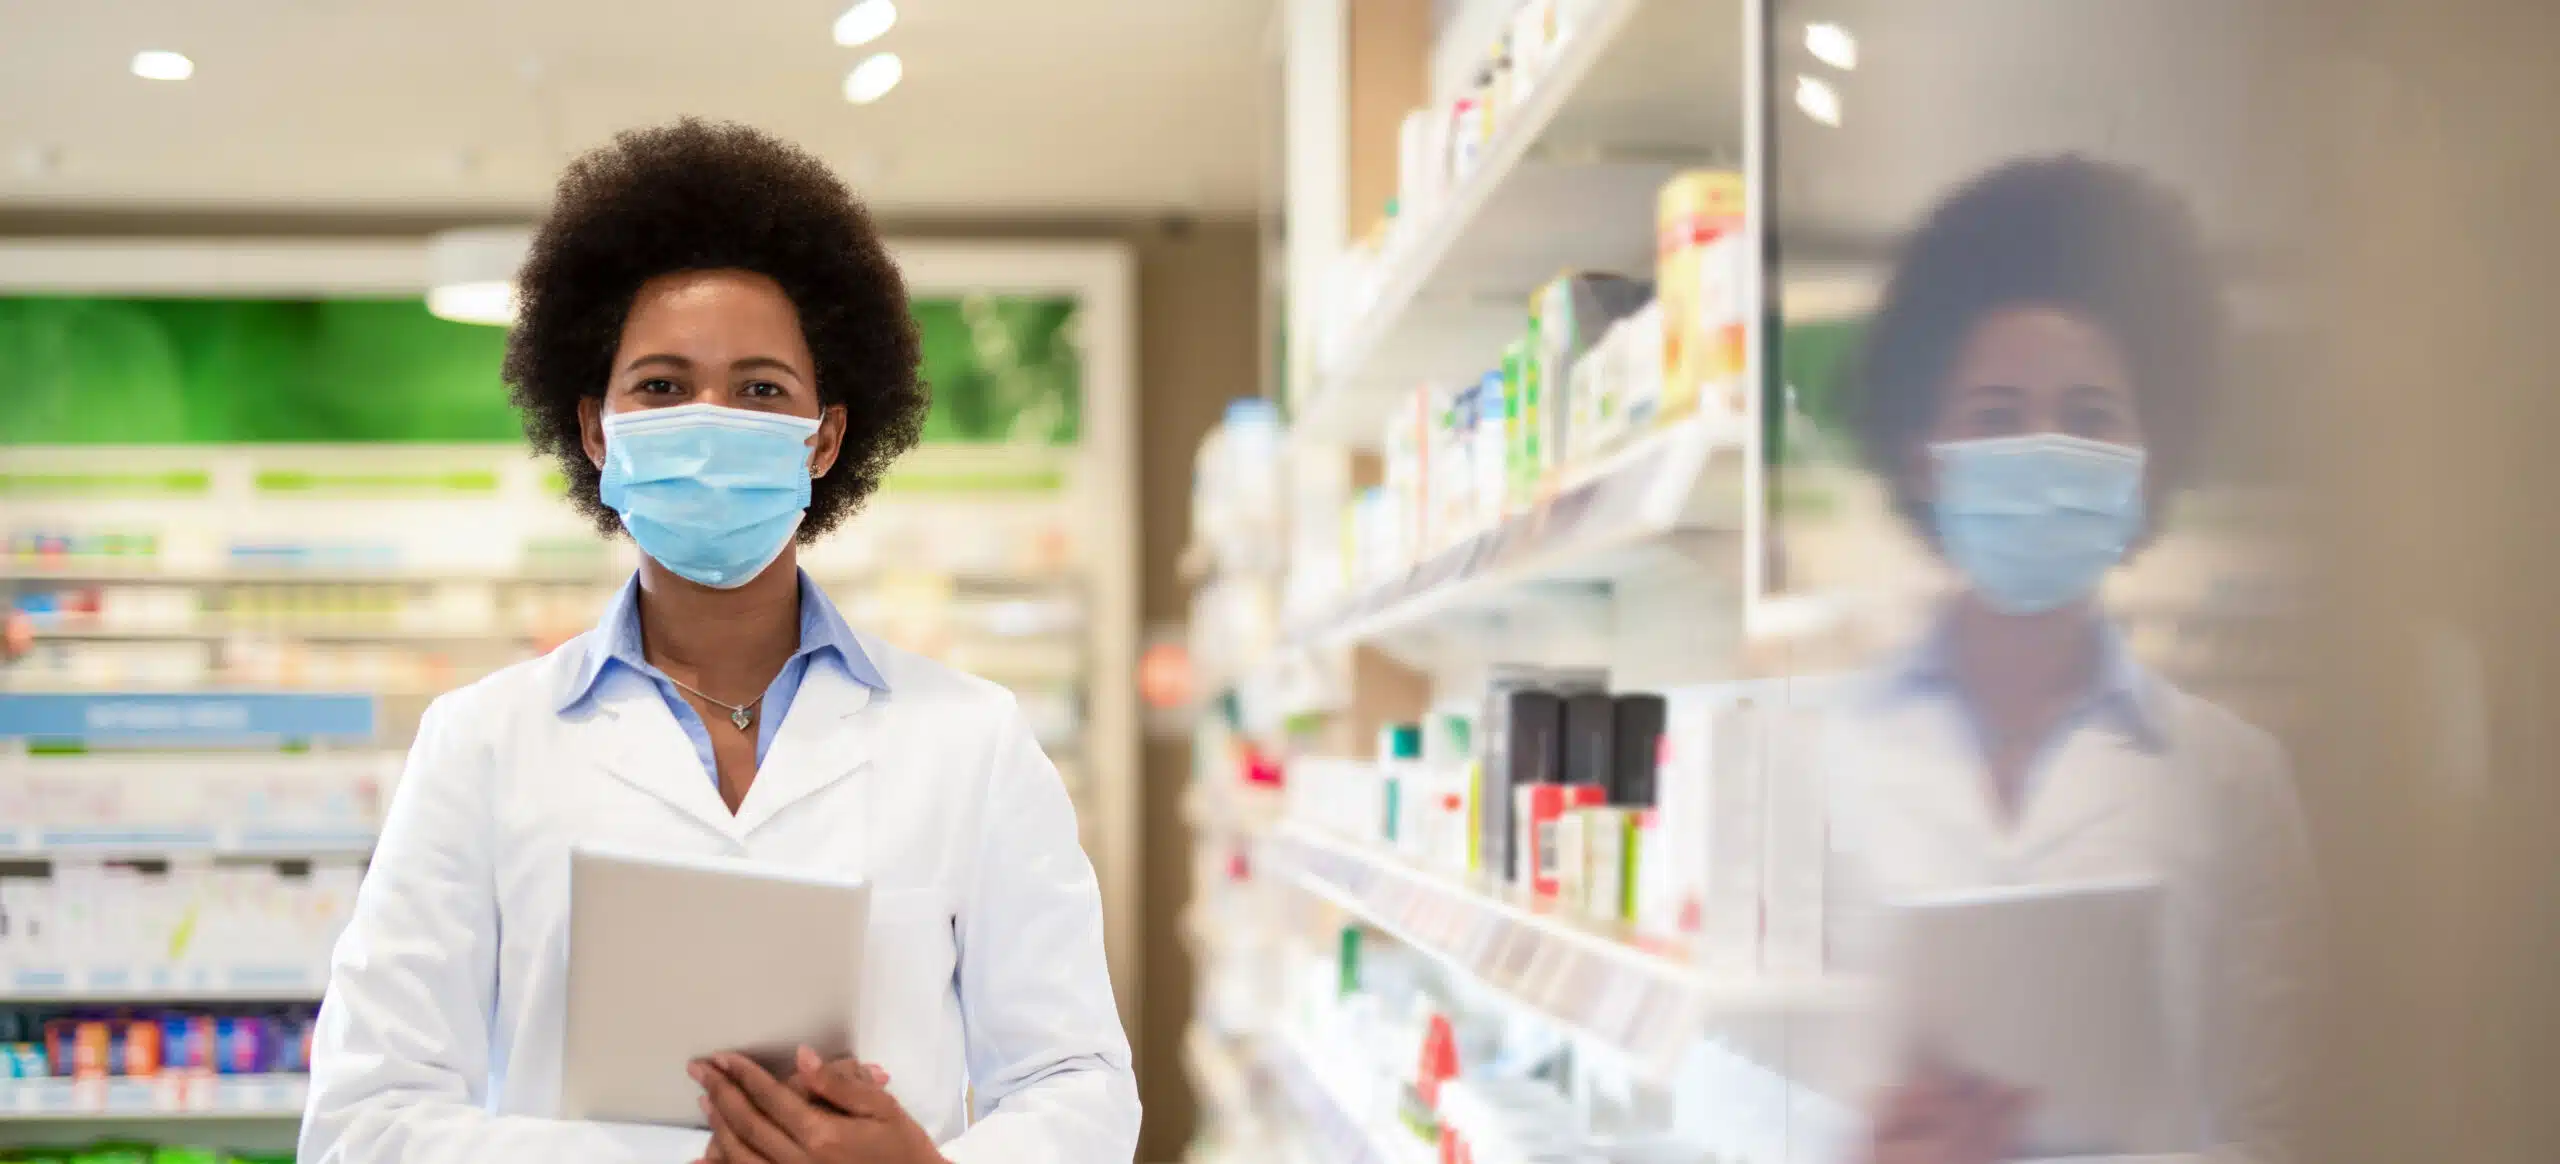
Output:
x=187 y=371
x=1004 y=369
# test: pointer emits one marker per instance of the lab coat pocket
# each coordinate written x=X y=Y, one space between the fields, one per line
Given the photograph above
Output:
x=909 y=1021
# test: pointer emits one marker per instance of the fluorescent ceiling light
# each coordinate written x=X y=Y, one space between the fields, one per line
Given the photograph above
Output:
x=162 y=65
x=873 y=78
x=472 y=274
x=1819 y=100
x=1830 y=44
x=865 y=22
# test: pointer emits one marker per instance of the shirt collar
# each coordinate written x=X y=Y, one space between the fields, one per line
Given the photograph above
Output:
x=616 y=639
x=2123 y=688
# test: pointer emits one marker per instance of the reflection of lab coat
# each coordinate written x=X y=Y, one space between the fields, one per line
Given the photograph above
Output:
x=440 y=1041
x=2142 y=781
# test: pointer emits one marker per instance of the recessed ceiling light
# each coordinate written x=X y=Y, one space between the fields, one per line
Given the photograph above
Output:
x=873 y=78
x=492 y=303
x=865 y=22
x=1818 y=99
x=1832 y=45
x=472 y=273
x=162 y=65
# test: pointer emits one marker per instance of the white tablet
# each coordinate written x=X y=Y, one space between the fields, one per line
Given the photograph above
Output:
x=2060 y=989
x=672 y=958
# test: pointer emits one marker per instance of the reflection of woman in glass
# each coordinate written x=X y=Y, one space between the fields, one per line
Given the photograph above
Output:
x=2034 y=388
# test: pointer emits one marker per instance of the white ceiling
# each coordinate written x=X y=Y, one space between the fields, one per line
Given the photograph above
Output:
x=1008 y=107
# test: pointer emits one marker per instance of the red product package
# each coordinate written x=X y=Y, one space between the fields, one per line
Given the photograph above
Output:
x=58 y=1036
x=92 y=1050
x=1540 y=807
x=142 y=1047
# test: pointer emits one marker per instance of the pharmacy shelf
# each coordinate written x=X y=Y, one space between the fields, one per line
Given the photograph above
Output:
x=1647 y=1004
x=49 y=988
x=216 y=632
x=105 y=574
x=973 y=581
x=134 y=842
x=1329 y=1117
x=1622 y=517
x=1642 y=90
x=53 y=685
x=226 y=1097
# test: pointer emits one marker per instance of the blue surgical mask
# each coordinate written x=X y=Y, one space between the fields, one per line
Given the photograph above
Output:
x=2036 y=521
x=711 y=493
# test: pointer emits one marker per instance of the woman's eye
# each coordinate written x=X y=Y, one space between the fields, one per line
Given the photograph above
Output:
x=657 y=385
x=2095 y=423
x=763 y=390
x=2001 y=420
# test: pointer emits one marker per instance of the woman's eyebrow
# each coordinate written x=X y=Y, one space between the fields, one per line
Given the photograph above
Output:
x=668 y=358
x=770 y=362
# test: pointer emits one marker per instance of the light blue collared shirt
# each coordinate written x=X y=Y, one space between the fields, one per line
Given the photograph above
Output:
x=824 y=636
x=2119 y=695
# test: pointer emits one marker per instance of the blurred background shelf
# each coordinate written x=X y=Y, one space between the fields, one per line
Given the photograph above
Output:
x=234 y=1097
x=1567 y=182
x=1647 y=1001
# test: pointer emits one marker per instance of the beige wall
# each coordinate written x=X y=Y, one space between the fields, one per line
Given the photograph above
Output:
x=1197 y=343
x=2435 y=780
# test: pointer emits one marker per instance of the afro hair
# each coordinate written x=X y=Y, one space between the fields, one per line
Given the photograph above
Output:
x=697 y=196
x=2096 y=239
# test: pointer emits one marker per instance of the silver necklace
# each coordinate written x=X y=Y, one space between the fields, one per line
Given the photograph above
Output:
x=741 y=714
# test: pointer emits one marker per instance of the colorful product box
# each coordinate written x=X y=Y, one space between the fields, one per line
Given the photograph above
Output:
x=1703 y=273
x=1548 y=853
x=1568 y=318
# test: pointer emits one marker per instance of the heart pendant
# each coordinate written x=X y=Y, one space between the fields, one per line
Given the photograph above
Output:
x=741 y=717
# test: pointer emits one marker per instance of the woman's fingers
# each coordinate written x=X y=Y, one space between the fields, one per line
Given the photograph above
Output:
x=811 y=1065
x=852 y=1088
x=748 y=1129
x=725 y=1147
x=782 y=1106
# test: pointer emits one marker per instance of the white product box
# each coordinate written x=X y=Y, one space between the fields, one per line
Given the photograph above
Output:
x=1671 y=870
x=1796 y=842
x=1737 y=864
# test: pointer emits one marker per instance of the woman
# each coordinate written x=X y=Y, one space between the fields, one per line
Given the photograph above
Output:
x=2035 y=389
x=714 y=344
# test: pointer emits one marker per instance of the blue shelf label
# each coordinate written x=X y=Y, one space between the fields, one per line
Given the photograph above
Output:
x=120 y=839
x=190 y=717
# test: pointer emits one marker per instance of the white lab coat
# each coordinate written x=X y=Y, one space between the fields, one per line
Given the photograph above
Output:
x=440 y=1040
x=2155 y=784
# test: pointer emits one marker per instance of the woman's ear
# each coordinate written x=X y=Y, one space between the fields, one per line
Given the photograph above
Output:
x=828 y=441
x=591 y=428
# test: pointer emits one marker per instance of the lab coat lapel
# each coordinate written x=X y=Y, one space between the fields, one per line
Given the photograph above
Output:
x=638 y=740
x=824 y=738
x=2091 y=804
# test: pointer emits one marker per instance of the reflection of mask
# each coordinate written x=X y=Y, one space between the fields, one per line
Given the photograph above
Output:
x=2035 y=521
x=712 y=493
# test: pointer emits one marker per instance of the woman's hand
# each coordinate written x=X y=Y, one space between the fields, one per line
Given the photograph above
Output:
x=828 y=1113
x=1947 y=1115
